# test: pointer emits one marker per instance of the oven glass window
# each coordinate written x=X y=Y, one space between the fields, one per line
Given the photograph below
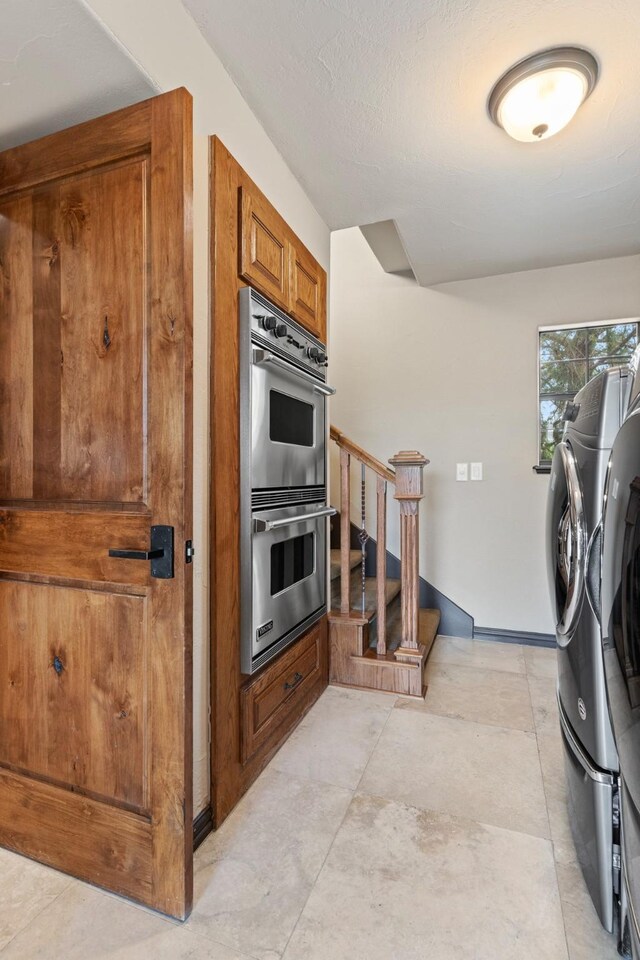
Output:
x=291 y=561
x=290 y=420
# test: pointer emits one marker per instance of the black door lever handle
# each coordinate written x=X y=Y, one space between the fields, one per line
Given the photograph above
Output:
x=160 y=554
x=137 y=554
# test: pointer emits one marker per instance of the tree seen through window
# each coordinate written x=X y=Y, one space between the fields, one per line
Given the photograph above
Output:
x=569 y=358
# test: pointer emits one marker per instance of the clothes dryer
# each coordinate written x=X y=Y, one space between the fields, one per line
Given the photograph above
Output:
x=621 y=649
x=573 y=553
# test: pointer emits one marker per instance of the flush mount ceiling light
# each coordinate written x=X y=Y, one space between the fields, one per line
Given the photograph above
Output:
x=538 y=96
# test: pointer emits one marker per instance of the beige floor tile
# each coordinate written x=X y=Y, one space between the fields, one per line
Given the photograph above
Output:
x=254 y=875
x=551 y=754
x=441 y=856
x=541 y=661
x=26 y=888
x=586 y=937
x=479 y=653
x=334 y=742
x=544 y=704
x=472 y=693
x=405 y=884
x=467 y=769
x=564 y=851
x=83 y=924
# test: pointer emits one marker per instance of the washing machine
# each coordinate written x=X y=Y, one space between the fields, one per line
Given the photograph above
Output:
x=574 y=513
x=620 y=614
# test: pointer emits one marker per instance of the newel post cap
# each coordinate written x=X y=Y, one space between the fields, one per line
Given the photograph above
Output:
x=408 y=466
x=408 y=458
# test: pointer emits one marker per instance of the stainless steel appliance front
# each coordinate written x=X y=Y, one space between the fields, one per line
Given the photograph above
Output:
x=284 y=514
x=282 y=398
x=287 y=577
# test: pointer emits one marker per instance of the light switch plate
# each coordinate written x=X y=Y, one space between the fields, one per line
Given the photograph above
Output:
x=462 y=471
x=476 y=471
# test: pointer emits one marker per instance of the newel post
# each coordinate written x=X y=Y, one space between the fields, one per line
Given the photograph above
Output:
x=409 y=466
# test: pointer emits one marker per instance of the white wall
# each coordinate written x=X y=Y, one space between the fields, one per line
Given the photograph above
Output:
x=163 y=40
x=451 y=371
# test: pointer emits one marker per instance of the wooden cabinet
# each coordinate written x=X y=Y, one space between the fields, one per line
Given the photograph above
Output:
x=276 y=693
x=276 y=262
x=264 y=247
x=307 y=291
x=251 y=716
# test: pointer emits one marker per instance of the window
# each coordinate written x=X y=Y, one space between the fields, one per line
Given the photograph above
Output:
x=569 y=358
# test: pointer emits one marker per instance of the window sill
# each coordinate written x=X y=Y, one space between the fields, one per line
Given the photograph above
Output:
x=542 y=468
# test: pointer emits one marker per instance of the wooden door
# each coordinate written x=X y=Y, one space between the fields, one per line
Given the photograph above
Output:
x=95 y=450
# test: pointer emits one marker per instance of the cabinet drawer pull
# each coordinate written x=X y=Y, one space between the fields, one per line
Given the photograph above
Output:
x=294 y=683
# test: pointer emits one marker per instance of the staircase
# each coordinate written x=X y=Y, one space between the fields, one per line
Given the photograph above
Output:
x=379 y=638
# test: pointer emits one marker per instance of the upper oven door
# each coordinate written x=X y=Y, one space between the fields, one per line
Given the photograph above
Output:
x=287 y=424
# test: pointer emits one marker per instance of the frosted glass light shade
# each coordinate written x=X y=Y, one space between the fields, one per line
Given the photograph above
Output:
x=539 y=96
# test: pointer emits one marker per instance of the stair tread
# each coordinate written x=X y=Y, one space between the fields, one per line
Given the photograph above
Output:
x=428 y=623
x=370 y=593
x=355 y=559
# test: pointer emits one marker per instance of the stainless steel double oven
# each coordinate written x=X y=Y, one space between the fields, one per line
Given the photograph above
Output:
x=283 y=497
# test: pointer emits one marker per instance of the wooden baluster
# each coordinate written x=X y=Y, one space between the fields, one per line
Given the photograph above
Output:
x=381 y=565
x=409 y=465
x=345 y=530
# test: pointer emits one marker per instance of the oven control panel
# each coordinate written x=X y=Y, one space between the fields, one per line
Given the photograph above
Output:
x=276 y=331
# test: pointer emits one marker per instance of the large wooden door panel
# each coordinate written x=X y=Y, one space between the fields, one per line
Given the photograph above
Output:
x=16 y=347
x=82 y=657
x=81 y=332
x=95 y=449
x=102 y=337
x=79 y=835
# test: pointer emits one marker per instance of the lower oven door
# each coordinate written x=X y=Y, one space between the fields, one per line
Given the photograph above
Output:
x=289 y=576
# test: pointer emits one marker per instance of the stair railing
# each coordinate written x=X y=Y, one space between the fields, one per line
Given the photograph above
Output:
x=407 y=481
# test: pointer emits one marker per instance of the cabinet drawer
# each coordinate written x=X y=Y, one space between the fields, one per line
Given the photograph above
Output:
x=275 y=694
x=264 y=248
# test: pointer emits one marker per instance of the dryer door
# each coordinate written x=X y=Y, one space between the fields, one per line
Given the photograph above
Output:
x=620 y=611
x=566 y=542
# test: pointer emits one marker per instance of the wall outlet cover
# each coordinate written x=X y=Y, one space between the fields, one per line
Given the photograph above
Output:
x=462 y=471
x=476 y=471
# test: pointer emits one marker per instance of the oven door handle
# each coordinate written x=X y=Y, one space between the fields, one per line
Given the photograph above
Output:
x=265 y=356
x=263 y=526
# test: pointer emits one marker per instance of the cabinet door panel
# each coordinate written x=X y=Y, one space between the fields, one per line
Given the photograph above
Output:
x=274 y=696
x=264 y=247
x=308 y=292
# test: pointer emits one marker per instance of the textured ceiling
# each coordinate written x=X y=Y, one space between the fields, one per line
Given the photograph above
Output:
x=58 y=67
x=379 y=107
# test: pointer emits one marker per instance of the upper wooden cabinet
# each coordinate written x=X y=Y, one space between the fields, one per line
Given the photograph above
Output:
x=276 y=262
x=264 y=247
x=307 y=291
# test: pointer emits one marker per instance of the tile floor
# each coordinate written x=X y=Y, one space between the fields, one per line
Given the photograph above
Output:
x=384 y=829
